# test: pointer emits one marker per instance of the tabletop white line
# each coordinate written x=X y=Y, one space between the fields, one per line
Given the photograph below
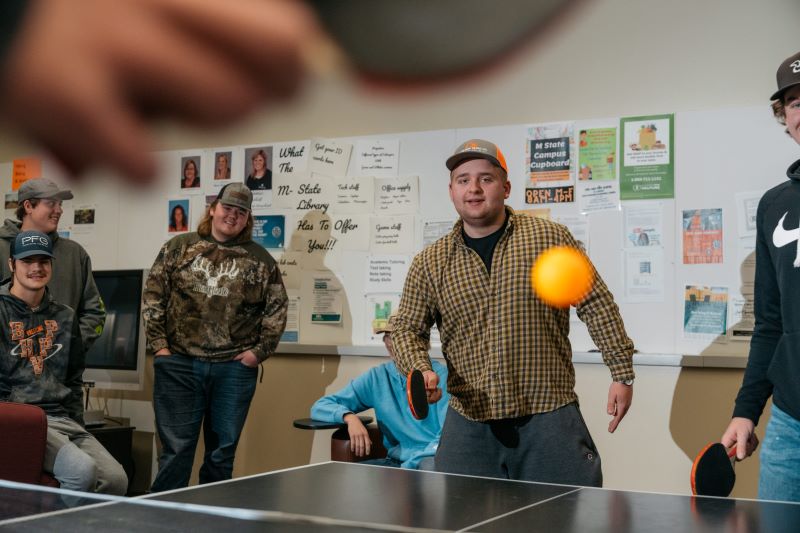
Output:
x=509 y=513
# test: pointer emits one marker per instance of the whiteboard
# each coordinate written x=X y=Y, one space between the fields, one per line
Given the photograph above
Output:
x=717 y=154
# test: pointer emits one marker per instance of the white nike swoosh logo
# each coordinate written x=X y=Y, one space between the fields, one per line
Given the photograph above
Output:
x=781 y=237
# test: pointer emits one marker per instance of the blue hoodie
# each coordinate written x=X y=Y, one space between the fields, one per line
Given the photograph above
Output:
x=383 y=388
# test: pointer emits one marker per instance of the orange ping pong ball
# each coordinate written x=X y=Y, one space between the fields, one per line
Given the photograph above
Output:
x=562 y=276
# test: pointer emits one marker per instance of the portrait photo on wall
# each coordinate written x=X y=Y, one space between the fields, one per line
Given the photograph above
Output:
x=222 y=165
x=190 y=172
x=178 y=216
x=258 y=168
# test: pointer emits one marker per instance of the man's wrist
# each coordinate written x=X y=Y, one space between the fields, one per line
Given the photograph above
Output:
x=628 y=382
x=158 y=344
x=260 y=354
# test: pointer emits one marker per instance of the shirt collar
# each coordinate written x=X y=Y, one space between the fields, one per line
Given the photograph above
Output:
x=458 y=237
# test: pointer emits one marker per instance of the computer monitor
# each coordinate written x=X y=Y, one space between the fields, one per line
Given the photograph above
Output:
x=116 y=359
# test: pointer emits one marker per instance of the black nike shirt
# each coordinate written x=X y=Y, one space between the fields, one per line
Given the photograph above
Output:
x=773 y=367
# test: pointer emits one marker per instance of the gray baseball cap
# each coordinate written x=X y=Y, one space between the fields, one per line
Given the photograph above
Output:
x=42 y=188
x=788 y=75
x=477 y=149
x=237 y=195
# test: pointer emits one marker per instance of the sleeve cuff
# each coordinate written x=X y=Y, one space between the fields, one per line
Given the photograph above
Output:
x=741 y=411
x=260 y=354
x=626 y=374
x=158 y=344
x=423 y=366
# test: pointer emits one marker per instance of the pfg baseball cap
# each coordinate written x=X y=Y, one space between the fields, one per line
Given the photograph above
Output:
x=788 y=75
x=477 y=149
x=29 y=243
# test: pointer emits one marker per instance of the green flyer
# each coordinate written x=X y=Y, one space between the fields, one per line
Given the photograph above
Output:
x=647 y=168
x=597 y=149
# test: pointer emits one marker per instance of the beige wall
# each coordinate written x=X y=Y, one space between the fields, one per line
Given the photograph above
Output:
x=676 y=411
x=609 y=58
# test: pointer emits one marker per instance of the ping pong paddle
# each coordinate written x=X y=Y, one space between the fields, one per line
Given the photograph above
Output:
x=712 y=471
x=419 y=41
x=417 y=397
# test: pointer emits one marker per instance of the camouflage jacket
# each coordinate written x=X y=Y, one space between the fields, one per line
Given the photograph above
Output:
x=42 y=357
x=214 y=300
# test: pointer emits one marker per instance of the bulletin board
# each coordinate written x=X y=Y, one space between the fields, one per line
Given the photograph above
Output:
x=346 y=225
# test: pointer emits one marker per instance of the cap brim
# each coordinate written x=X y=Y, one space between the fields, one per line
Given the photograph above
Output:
x=60 y=195
x=64 y=195
x=779 y=93
x=235 y=205
x=31 y=253
x=456 y=159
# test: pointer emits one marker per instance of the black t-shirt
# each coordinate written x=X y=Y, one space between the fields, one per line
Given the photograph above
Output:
x=485 y=245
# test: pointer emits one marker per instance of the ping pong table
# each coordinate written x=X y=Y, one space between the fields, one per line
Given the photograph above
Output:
x=336 y=496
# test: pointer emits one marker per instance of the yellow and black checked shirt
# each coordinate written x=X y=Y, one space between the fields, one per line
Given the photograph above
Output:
x=508 y=353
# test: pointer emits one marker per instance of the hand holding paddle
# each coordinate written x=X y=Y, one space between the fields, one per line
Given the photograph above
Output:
x=712 y=471
x=422 y=389
x=432 y=390
x=741 y=432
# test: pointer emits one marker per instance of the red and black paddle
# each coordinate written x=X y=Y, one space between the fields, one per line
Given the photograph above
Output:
x=712 y=472
x=415 y=42
x=417 y=396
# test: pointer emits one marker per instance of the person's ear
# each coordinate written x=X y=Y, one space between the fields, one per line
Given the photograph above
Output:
x=11 y=264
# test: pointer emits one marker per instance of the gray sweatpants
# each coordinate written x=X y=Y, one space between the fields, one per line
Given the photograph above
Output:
x=79 y=462
x=553 y=447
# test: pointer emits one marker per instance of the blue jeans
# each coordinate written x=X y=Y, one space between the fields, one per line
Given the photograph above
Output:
x=780 y=459
x=189 y=393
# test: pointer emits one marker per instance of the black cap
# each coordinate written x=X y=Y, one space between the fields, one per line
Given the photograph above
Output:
x=788 y=75
x=29 y=243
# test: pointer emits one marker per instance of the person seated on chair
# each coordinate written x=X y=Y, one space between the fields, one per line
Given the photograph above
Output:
x=42 y=363
x=410 y=443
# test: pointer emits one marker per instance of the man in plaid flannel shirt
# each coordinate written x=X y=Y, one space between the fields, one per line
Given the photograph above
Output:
x=513 y=410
